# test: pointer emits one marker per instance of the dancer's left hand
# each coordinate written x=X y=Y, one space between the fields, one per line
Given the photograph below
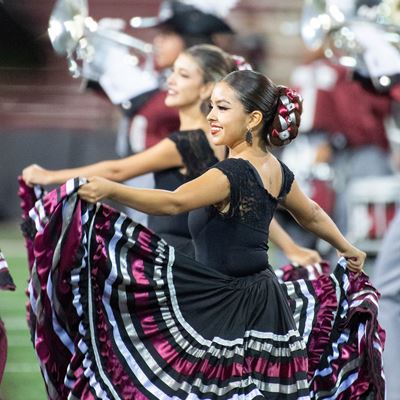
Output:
x=355 y=258
x=96 y=189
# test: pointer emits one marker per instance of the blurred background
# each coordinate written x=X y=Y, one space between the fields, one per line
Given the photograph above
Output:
x=47 y=115
x=62 y=105
x=50 y=118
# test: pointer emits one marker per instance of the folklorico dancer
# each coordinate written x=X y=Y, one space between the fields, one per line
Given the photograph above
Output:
x=120 y=314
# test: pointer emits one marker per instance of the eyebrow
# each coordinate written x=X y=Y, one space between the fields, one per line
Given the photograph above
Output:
x=222 y=101
x=181 y=69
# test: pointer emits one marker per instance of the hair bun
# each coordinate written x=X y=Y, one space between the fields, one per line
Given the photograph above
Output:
x=241 y=63
x=285 y=125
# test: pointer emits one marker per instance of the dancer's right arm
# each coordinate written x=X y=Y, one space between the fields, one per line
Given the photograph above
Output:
x=162 y=156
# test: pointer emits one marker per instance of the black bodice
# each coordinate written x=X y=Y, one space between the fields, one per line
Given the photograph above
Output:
x=235 y=242
x=197 y=156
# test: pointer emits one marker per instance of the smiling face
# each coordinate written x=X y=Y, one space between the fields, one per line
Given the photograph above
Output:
x=186 y=85
x=228 y=120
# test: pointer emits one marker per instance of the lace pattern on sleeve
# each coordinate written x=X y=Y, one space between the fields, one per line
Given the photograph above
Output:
x=195 y=151
x=249 y=201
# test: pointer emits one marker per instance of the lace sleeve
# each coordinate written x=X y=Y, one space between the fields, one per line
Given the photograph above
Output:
x=234 y=171
x=287 y=180
x=195 y=151
x=249 y=202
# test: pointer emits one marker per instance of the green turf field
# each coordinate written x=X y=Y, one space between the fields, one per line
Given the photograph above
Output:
x=22 y=379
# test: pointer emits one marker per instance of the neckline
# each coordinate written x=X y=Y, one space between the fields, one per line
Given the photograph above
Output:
x=259 y=179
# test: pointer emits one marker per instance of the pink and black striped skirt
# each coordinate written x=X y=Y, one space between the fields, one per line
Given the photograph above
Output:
x=117 y=313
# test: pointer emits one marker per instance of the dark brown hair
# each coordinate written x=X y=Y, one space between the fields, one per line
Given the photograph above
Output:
x=280 y=106
x=213 y=61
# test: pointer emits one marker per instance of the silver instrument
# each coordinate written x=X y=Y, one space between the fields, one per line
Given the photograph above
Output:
x=100 y=51
x=363 y=38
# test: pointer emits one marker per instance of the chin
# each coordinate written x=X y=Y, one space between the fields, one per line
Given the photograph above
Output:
x=170 y=102
x=218 y=140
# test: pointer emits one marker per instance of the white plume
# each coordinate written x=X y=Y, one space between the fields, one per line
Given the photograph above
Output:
x=220 y=8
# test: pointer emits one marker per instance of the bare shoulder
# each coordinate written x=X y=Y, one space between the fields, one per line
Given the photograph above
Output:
x=271 y=174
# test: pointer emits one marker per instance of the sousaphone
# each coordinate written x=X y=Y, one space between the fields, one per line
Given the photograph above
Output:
x=100 y=51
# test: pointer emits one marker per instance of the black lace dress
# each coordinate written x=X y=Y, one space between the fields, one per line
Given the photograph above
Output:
x=197 y=156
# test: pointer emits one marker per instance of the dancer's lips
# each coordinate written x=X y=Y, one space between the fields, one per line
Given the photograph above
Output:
x=172 y=92
x=214 y=129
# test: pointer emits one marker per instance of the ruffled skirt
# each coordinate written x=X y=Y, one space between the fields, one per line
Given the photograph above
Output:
x=6 y=283
x=117 y=313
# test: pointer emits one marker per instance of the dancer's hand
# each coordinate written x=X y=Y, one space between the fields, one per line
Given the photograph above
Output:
x=35 y=175
x=96 y=189
x=303 y=256
x=355 y=258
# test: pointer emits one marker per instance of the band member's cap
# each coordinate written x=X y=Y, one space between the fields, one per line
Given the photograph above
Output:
x=183 y=19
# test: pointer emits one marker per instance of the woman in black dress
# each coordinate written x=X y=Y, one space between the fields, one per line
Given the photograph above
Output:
x=121 y=314
x=156 y=324
x=181 y=157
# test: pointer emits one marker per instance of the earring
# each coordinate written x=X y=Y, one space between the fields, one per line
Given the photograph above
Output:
x=249 y=137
